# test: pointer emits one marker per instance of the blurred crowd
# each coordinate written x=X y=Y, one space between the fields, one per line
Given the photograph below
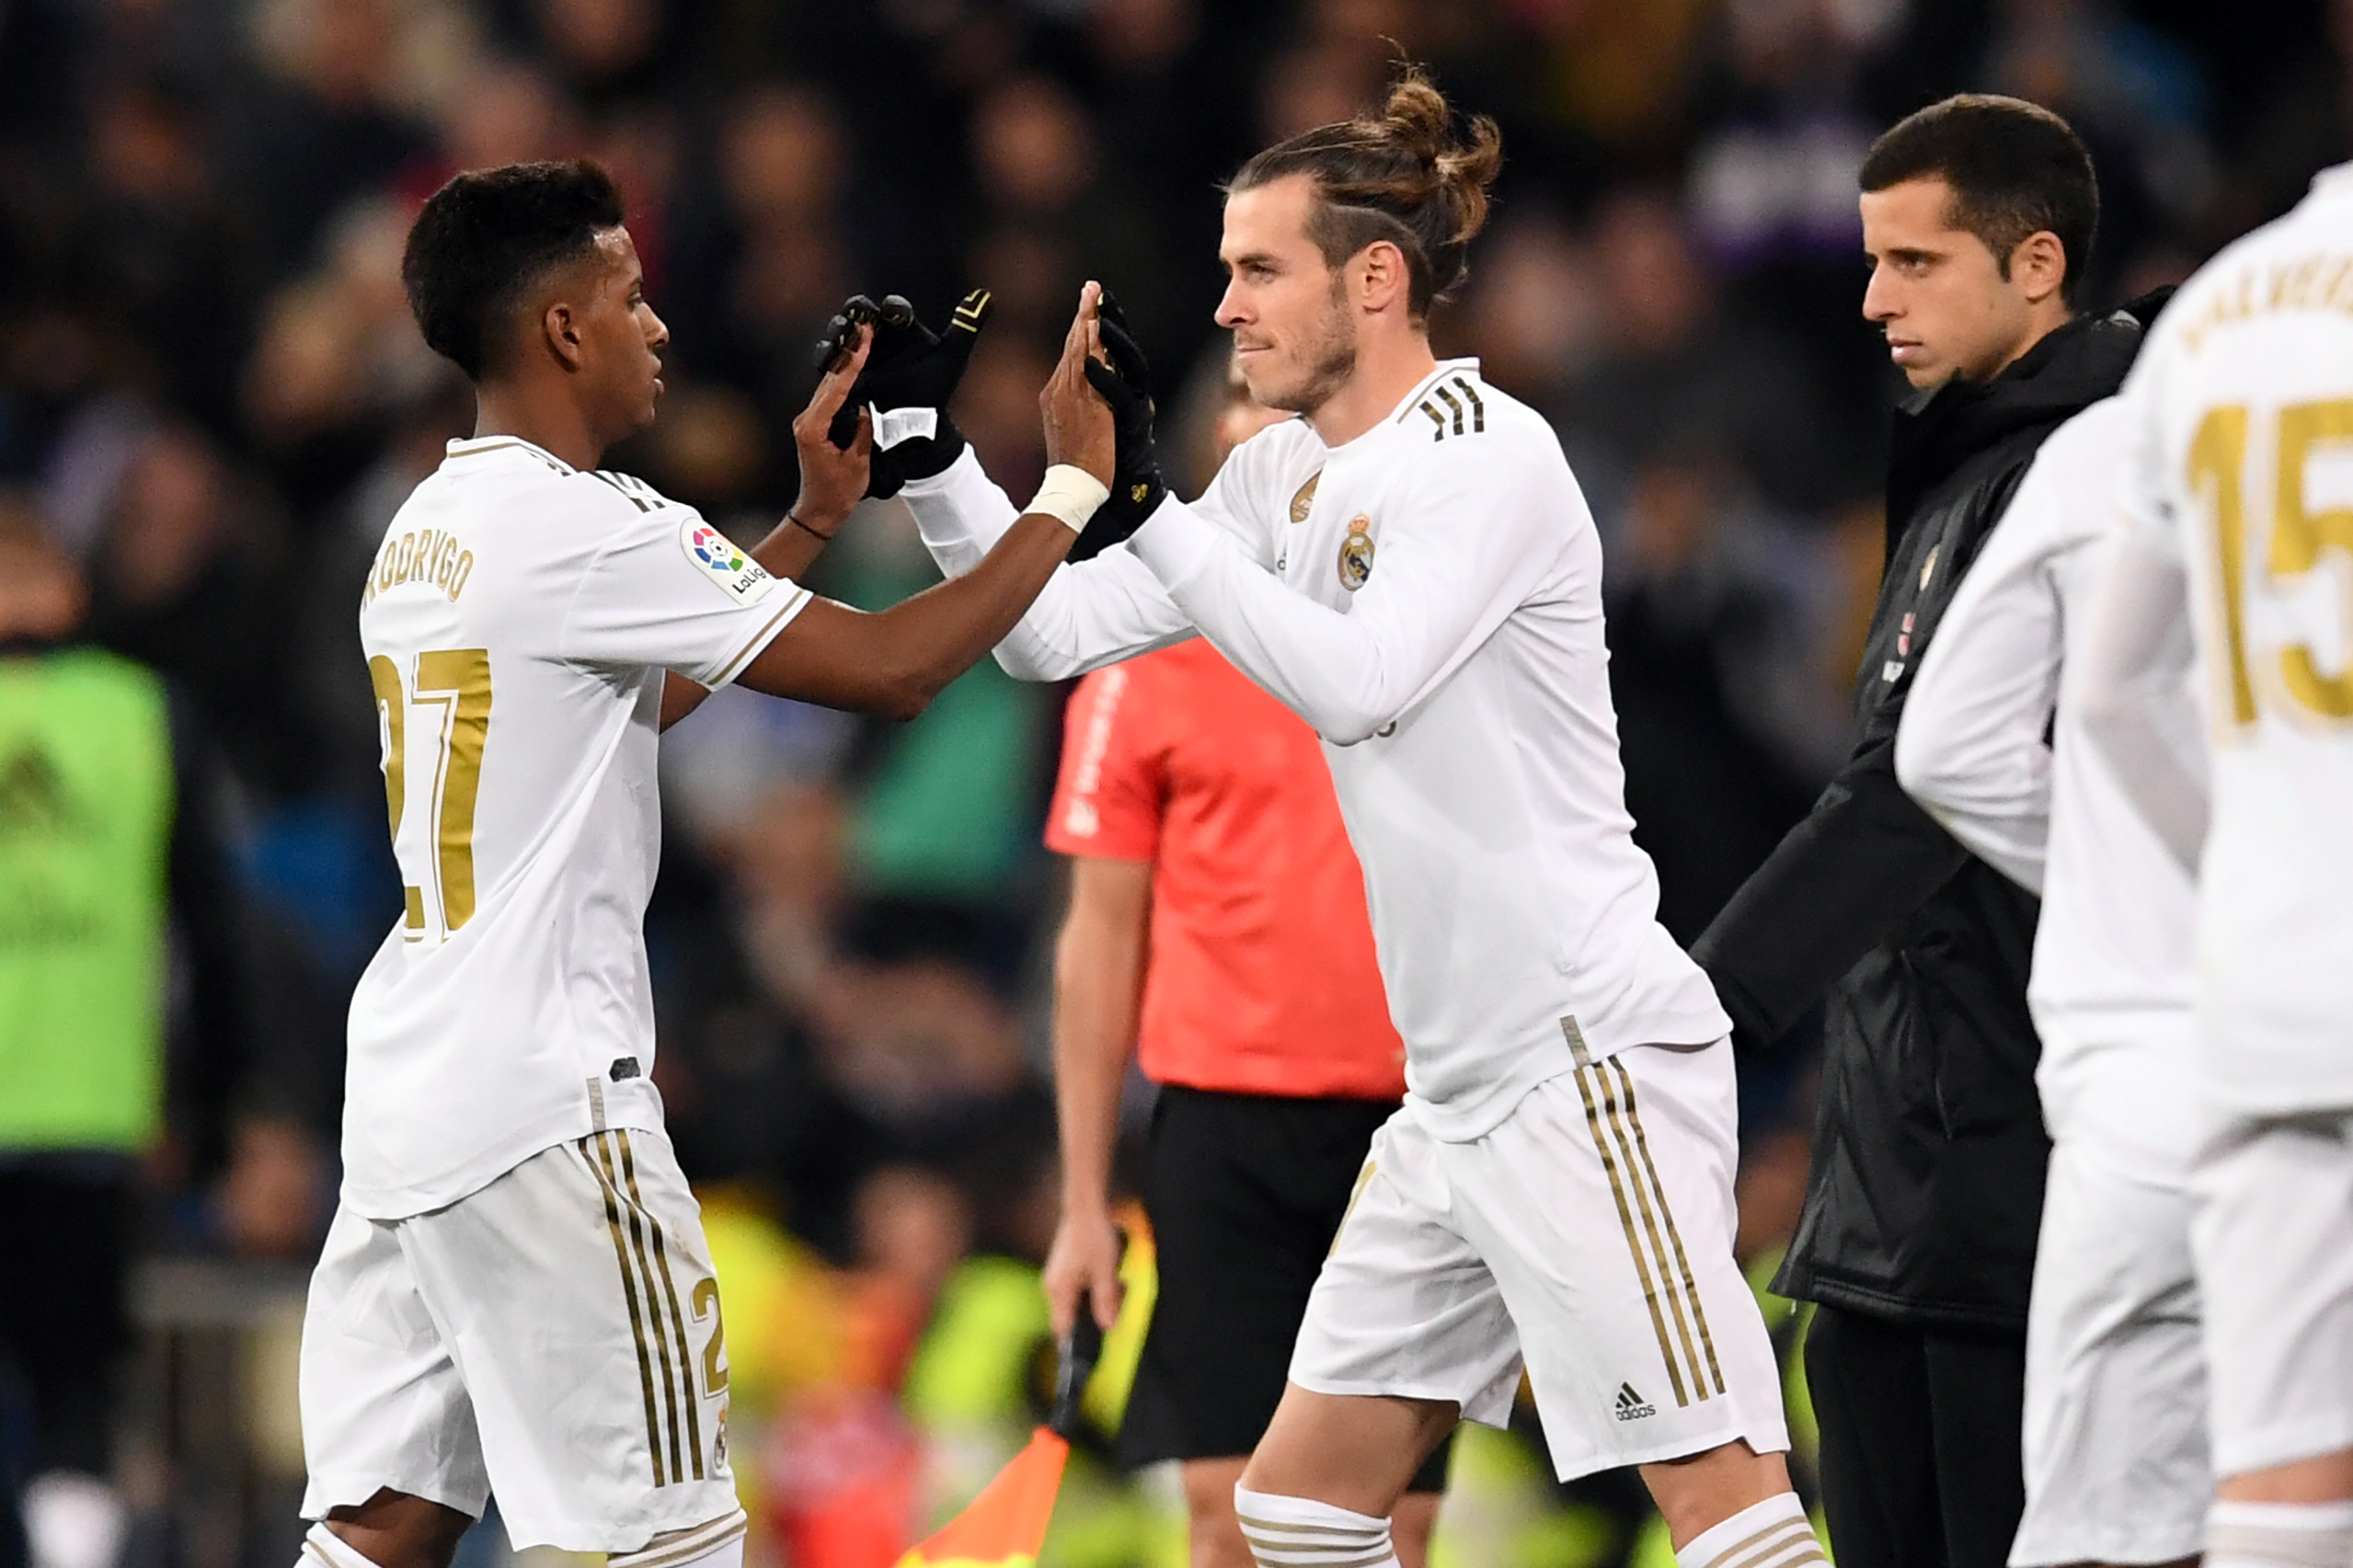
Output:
x=212 y=399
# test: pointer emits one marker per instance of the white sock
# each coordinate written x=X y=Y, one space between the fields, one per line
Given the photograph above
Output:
x=1300 y=1532
x=1773 y=1533
x=72 y=1520
x=322 y=1548
x=718 y=1544
x=2279 y=1535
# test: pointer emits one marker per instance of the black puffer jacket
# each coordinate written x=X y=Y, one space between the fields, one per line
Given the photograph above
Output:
x=1928 y=1158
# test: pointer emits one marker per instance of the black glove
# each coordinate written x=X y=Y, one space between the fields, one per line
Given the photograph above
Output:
x=1136 y=487
x=858 y=310
x=909 y=366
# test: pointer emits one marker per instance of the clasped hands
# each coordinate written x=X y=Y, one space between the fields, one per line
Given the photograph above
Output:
x=884 y=368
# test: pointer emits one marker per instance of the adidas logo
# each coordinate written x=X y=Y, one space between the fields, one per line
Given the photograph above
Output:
x=1632 y=1406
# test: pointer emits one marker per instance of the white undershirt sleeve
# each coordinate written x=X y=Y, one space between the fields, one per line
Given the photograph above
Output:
x=2137 y=701
x=960 y=513
x=1973 y=748
x=1093 y=614
x=2137 y=707
x=1458 y=551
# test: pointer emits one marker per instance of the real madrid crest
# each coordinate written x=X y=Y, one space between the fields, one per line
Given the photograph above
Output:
x=1356 y=553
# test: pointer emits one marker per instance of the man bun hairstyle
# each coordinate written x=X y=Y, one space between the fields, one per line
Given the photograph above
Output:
x=2015 y=169
x=1400 y=174
x=487 y=236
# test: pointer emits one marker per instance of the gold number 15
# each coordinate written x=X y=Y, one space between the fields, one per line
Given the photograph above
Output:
x=457 y=681
x=2218 y=459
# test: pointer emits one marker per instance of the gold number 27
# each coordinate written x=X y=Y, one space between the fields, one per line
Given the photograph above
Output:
x=714 y=1349
x=456 y=682
x=2218 y=463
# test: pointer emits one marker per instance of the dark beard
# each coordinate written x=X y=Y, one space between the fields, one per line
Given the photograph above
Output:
x=1334 y=361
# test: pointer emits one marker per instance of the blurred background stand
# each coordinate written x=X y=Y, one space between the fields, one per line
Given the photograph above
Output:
x=211 y=1457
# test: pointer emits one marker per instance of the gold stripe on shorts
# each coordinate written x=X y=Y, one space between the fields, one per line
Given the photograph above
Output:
x=653 y=1309
x=1355 y=1195
x=1618 y=1108
x=1633 y=1242
x=600 y=1167
x=1674 y=1236
x=678 y=1322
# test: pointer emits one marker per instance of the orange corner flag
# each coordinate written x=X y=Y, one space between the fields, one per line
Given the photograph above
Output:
x=1004 y=1526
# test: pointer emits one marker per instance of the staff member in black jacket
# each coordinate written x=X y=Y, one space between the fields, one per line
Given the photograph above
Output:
x=1917 y=1237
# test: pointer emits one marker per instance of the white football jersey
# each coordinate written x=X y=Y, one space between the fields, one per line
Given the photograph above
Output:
x=517 y=624
x=2241 y=465
x=1428 y=597
x=1993 y=745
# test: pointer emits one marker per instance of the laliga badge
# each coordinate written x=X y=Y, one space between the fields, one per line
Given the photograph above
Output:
x=1356 y=553
x=723 y=563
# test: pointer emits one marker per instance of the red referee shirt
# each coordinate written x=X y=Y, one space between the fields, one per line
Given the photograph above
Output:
x=1262 y=978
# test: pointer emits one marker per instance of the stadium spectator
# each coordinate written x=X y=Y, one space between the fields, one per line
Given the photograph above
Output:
x=184 y=576
x=1695 y=645
x=323 y=119
x=756 y=273
x=1680 y=372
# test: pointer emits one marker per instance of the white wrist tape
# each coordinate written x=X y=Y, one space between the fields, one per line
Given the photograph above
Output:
x=892 y=425
x=1069 y=495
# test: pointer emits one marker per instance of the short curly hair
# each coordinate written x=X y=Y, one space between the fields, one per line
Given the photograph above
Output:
x=488 y=236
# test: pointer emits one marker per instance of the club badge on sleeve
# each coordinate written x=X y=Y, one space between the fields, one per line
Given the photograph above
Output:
x=724 y=562
x=1305 y=499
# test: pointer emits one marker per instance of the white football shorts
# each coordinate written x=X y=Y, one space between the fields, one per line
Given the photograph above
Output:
x=2116 y=1467
x=2270 y=1226
x=1587 y=1238
x=554 y=1338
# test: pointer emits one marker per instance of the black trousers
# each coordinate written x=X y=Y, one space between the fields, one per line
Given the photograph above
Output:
x=64 y=1313
x=1920 y=1465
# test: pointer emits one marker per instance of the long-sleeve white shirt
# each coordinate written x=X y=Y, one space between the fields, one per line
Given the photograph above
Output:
x=2111 y=986
x=1428 y=597
x=2237 y=472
